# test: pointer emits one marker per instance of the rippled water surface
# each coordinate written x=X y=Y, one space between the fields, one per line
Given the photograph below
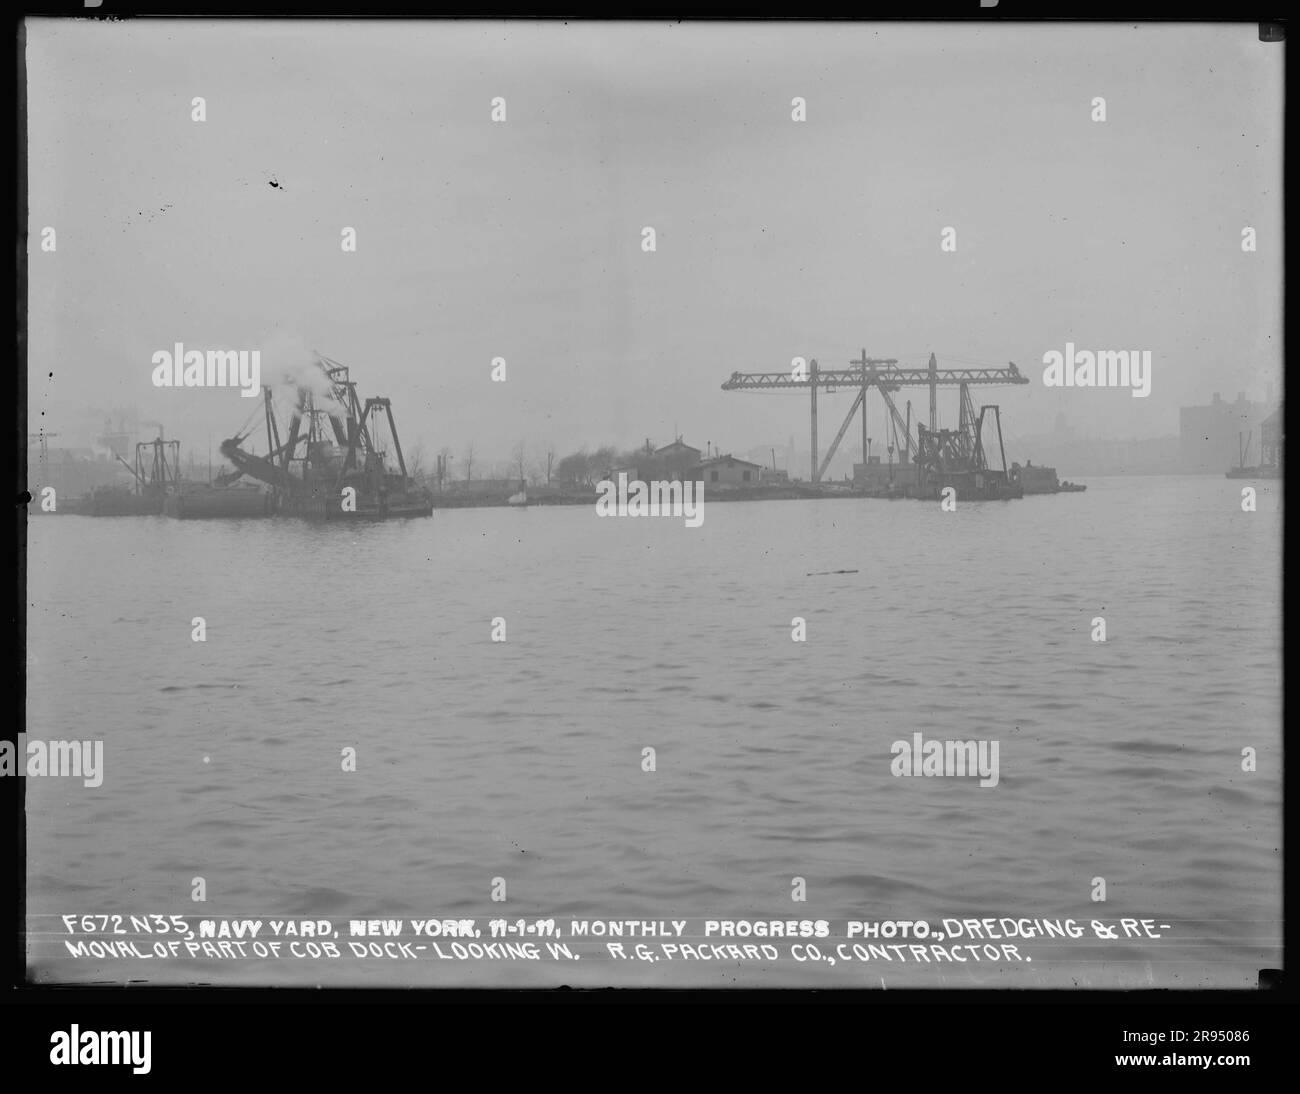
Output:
x=523 y=759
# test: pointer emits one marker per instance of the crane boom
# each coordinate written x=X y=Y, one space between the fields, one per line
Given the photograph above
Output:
x=865 y=372
x=892 y=377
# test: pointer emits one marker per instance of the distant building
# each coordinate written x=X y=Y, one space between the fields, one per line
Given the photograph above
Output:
x=120 y=441
x=673 y=461
x=1271 y=439
x=727 y=471
x=875 y=475
x=73 y=472
x=1211 y=438
x=1100 y=456
x=677 y=450
x=765 y=456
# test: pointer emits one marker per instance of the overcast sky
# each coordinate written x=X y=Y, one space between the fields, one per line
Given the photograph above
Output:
x=522 y=240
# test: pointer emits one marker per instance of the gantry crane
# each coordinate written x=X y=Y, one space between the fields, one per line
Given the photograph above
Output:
x=884 y=374
x=44 y=439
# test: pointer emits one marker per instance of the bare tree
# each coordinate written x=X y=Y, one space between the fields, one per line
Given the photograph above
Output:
x=415 y=461
x=602 y=461
x=444 y=456
x=469 y=460
x=550 y=460
x=575 y=469
x=517 y=461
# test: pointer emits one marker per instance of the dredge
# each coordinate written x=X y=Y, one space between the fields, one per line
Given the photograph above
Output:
x=956 y=458
x=328 y=465
x=156 y=477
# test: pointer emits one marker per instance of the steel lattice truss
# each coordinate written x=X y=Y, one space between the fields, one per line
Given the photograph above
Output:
x=888 y=376
x=881 y=373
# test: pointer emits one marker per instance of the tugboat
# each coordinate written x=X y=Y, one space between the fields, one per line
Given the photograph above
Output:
x=1042 y=480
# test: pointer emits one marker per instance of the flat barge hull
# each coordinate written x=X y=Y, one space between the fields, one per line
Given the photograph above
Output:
x=320 y=508
x=218 y=504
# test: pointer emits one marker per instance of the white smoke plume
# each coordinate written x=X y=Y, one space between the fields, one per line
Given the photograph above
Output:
x=289 y=363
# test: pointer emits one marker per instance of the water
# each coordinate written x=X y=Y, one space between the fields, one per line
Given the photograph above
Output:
x=522 y=760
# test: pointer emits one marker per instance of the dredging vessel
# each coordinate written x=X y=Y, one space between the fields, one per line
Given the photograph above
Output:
x=957 y=458
x=155 y=477
x=329 y=463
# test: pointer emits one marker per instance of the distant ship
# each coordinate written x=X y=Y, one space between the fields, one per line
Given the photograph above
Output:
x=1261 y=471
x=1042 y=480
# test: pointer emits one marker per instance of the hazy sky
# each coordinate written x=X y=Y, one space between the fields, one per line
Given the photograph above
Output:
x=522 y=239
